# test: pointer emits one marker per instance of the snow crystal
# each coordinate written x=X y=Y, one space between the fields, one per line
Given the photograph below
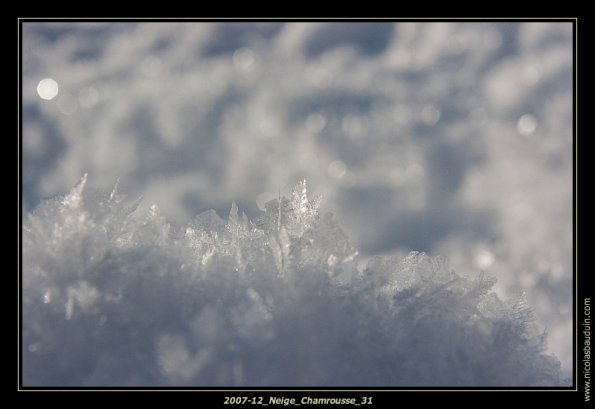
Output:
x=115 y=298
x=451 y=138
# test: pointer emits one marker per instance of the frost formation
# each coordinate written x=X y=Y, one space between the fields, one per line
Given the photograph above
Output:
x=114 y=299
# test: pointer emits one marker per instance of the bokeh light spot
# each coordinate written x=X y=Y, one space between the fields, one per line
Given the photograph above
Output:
x=430 y=114
x=243 y=58
x=526 y=124
x=483 y=259
x=337 y=169
x=263 y=198
x=47 y=89
x=88 y=97
x=315 y=123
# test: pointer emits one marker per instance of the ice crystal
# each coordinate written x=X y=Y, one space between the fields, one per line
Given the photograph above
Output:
x=115 y=298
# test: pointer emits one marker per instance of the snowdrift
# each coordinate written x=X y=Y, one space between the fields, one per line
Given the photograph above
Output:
x=119 y=299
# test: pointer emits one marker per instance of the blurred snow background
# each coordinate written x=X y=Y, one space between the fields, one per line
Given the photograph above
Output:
x=450 y=138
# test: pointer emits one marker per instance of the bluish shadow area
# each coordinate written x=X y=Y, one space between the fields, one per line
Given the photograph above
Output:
x=88 y=40
x=228 y=37
x=368 y=38
x=37 y=163
x=447 y=166
x=413 y=229
x=421 y=231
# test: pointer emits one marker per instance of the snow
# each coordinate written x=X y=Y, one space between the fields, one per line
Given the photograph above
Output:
x=444 y=138
x=112 y=299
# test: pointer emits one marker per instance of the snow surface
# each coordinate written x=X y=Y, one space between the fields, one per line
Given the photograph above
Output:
x=110 y=299
x=447 y=138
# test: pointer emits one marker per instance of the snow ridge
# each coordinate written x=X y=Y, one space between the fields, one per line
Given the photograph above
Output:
x=115 y=298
